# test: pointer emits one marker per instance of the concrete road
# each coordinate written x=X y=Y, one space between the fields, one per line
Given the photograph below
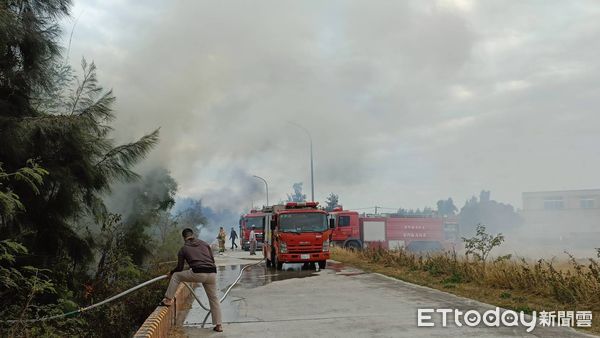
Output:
x=335 y=302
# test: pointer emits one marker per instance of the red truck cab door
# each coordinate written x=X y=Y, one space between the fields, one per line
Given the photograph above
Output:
x=346 y=226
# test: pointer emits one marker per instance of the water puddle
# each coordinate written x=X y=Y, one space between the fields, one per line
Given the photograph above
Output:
x=343 y=270
x=252 y=277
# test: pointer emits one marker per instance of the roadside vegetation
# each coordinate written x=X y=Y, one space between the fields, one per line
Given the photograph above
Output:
x=78 y=223
x=512 y=283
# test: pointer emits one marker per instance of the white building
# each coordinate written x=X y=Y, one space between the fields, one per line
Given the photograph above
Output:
x=569 y=218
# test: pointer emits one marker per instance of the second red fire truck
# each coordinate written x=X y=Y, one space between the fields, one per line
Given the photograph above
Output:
x=419 y=234
x=255 y=218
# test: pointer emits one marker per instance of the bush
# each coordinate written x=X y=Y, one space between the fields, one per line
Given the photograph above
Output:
x=25 y=289
x=576 y=285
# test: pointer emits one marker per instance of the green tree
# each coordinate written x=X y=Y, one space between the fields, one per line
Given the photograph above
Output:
x=10 y=202
x=29 y=48
x=427 y=211
x=297 y=196
x=62 y=121
x=71 y=140
x=191 y=216
x=446 y=207
x=20 y=284
x=332 y=201
x=482 y=243
x=77 y=150
x=188 y=214
x=145 y=206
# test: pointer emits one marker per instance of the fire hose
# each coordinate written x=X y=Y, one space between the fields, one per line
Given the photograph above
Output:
x=224 y=294
x=139 y=286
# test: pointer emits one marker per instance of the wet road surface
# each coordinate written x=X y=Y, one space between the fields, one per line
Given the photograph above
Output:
x=336 y=302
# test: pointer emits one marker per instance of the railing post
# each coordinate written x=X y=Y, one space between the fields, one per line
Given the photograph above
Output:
x=174 y=311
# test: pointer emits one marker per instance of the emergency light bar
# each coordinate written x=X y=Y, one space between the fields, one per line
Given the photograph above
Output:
x=290 y=205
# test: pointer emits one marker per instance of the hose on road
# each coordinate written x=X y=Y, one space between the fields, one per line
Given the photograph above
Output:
x=226 y=292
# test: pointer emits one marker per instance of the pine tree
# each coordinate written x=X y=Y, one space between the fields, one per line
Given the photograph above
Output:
x=61 y=121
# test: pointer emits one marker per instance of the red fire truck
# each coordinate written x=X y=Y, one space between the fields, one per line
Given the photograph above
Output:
x=297 y=233
x=255 y=218
x=420 y=234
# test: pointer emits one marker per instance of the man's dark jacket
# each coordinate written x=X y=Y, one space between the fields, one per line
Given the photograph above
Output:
x=198 y=255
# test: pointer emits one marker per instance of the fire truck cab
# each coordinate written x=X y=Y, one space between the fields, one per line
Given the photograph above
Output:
x=297 y=233
x=346 y=232
x=255 y=218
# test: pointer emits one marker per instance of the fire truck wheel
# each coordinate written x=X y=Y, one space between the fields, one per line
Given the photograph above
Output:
x=322 y=264
x=353 y=245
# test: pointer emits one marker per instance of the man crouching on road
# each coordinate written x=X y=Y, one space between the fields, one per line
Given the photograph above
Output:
x=203 y=270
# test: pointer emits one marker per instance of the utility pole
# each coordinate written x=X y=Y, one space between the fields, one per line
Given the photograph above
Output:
x=312 y=172
x=266 y=186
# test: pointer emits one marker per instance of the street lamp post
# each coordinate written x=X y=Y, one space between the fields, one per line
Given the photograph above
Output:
x=312 y=172
x=266 y=186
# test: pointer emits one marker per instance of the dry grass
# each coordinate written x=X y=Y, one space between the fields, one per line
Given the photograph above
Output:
x=512 y=284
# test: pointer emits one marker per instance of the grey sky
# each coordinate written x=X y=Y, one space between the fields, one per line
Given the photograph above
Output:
x=407 y=101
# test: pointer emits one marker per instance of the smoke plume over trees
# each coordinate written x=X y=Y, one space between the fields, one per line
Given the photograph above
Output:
x=498 y=217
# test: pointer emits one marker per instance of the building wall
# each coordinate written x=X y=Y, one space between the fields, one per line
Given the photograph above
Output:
x=569 y=217
x=571 y=199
